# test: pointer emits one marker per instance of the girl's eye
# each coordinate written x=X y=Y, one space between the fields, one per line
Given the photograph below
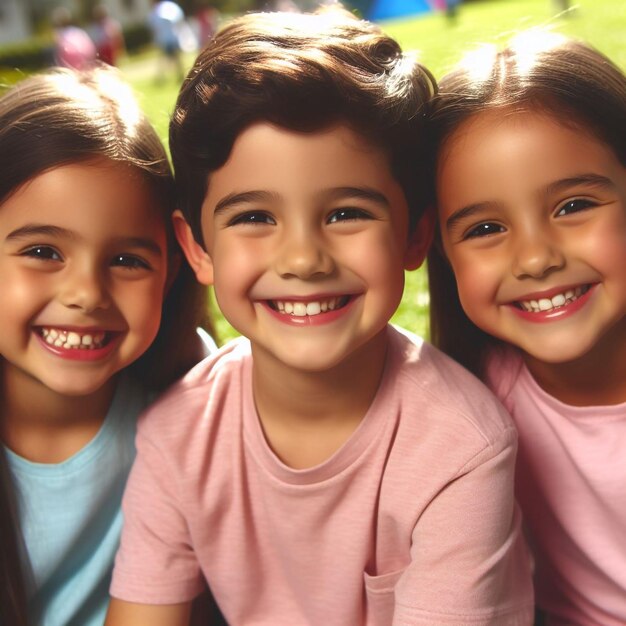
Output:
x=483 y=230
x=252 y=217
x=574 y=206
x=129 y=261
x=349 y=214
x=45 y=253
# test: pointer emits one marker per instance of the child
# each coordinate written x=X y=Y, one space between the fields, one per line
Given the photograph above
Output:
x=87 y=254
x=327 y=469
x=531 y=190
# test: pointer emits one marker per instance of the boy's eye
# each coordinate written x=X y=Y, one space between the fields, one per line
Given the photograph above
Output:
x=45 y=253
x=129 y=261
x=574 y=206
x=348 y=214
x=252 y=217
x=483 y=230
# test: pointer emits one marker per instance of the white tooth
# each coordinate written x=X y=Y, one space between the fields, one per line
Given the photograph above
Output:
x=44 y=332
x=58 y=342
x=526 y=306
x=324 y=306
x=545 y=304
x=332 y=303
x=280 y=306
x=558 y=300
x=288 y=308
x=87 y=340
x=49 y=340
x=53 y=333
x=299 y=309
x=313 y=308
x=569 y=294
x=534 y=305
x=73 y=339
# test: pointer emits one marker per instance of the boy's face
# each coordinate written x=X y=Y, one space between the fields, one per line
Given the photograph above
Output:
x=533 y=222
x=307 y=240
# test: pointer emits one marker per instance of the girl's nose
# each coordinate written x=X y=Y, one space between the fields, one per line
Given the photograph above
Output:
x=537 y=255
x=84 y=288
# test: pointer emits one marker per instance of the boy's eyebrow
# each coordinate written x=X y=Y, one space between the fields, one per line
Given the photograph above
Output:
x=47 y=230
x=242 y=197
x=365 y=193
x=336 y=193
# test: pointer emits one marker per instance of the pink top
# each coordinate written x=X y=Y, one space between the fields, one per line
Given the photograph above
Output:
x=412 y=521
x=571 y=485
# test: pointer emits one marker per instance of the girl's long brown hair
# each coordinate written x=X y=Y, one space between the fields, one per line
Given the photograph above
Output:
x=65 y=117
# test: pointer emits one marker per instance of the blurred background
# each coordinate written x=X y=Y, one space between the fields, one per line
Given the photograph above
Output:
x=154 y=42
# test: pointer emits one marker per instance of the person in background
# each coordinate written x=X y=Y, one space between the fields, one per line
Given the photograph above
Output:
x=166 y=20
x=73 y=47
x=106 y=33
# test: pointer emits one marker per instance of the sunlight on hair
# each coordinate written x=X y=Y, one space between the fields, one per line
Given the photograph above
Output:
x=115 y=91
x=127 y=105
x=527 y=45
x=402 y=74
x=478 y=64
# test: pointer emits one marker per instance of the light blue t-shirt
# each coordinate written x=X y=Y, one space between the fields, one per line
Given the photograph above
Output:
x=71 y=519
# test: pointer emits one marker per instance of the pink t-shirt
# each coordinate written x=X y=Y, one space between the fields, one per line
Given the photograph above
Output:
x=412 y=521
x=571 y=485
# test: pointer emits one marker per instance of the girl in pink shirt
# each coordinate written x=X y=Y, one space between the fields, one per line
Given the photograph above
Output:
x=528 y=289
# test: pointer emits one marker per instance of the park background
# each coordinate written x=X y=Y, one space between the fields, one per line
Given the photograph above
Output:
x=440 y=42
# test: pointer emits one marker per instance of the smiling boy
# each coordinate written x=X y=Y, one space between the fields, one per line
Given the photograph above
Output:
x=326 y=469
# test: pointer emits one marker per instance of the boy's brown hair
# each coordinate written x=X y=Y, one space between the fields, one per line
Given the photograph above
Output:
x=304 y=73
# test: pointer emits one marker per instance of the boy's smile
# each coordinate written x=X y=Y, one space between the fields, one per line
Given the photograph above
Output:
x=83 y=263
x=533 y=222
x=307 y=240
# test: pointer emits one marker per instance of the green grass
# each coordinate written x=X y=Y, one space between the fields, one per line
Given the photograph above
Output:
x=440 y=45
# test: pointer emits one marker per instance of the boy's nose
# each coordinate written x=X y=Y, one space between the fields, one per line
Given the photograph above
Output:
x=84 y=288
x=303 y=256
x=536 y=256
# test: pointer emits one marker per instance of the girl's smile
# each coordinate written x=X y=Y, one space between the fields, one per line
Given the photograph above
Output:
x=83 y=263
x=79 y=345
x=533 y=222
x=554 y=304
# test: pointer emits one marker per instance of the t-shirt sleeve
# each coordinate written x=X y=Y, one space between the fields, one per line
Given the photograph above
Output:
x=156 y=563
x=469 y=563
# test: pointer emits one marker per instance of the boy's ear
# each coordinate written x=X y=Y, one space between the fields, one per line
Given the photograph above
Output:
x=197 y=256
x=420 y=240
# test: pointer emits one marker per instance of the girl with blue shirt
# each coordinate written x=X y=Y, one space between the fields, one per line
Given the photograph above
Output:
x=98 y=313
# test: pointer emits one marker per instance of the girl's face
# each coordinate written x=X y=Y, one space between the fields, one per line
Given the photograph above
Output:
x=533 y=222
x=83 y=265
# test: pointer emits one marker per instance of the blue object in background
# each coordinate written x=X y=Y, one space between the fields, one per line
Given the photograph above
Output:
x=390 y=9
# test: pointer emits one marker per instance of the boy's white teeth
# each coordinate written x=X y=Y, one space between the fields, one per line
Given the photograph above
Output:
x=302 y=309
x=71 y=340
x=558 y=300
